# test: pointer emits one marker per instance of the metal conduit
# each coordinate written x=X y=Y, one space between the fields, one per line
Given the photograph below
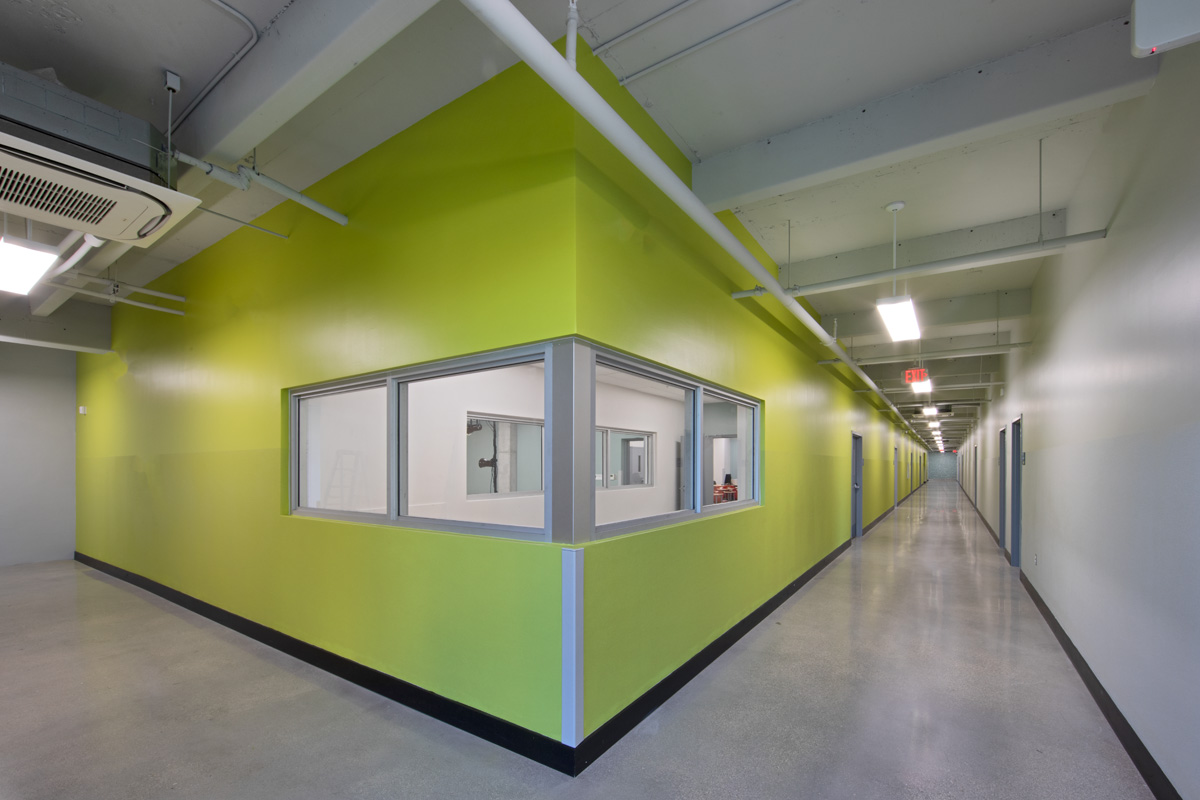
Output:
x=641 y=26
x=233 y=62
x=504 y=20
x=716 y=37
x=937 y=355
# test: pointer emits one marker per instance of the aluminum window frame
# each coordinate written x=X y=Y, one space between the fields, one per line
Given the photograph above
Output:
x=753 y=462
x=564 y=486
x=651 y=453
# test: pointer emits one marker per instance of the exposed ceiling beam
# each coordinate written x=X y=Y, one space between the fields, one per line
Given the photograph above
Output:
x=935 y=247
x=1005 y=305
x=82 y=327
x=310 y=47
x=1018 y=253
x=934 y=355
x=46 y=304
x=1069 y=75
x=948 y=388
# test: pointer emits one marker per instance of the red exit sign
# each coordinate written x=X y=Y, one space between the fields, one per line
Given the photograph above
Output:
x=915 y=375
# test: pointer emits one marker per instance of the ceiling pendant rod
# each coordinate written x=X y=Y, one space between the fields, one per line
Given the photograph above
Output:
x=1040 y=239
x=895 y=209
x=789 y=271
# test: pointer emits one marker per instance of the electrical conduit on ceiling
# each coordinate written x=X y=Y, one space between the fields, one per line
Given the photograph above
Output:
x=233 y=62
x=504 y=20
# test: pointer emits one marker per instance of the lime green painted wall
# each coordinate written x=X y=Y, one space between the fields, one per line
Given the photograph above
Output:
x=461 y=239
x=498 y=220
x=650 y=283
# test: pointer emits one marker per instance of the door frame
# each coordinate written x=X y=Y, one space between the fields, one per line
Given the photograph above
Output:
x=1001 y=531
x=856 y=485
x=1017 y=445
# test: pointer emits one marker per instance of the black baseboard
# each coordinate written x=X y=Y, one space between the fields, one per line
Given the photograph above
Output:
x=983 y=519
x=867 y=528
x=1156 y=779
x=628 y=718
x=532 y=745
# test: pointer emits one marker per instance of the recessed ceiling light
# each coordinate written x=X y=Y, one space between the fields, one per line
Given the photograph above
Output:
x=900 y=317
x=23 y=264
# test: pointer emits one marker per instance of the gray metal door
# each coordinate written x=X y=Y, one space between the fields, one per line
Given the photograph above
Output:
x=856 y=478
x=1003 y=485
x=1018 y=457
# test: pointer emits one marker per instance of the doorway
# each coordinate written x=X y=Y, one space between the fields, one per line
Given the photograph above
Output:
x=895 y=476
x=975 y=478
x=1018 y=459
x=1003 y=486
x=856 y=483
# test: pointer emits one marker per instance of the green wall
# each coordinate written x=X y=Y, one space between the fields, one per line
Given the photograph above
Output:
x=461 y=239
x=498 y=220
x=652 y=284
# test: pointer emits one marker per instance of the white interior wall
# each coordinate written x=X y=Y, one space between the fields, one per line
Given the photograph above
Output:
x=345 y=457
x=37 y=454
x=1108 y=403
x=942 y=466
x=437 y=443
x=622 y=408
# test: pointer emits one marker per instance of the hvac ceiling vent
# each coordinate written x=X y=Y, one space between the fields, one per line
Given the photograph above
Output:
x=68 y=161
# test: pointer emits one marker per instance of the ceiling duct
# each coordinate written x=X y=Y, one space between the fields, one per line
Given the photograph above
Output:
x=68 y=161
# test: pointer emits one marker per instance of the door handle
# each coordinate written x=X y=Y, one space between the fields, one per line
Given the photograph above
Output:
x=856 y=486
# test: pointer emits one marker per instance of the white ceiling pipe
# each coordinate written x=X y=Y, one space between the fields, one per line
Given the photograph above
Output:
x=90 y=242
x=247 y=175
x=957 y=264
x=938 y=355
x=213 y=171
x=114 y=298
x=134 y=289
x=504 y=20
x=572 y=31
x=292 y=194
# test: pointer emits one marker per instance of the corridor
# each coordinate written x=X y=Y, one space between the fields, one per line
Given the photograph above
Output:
x=914 y=667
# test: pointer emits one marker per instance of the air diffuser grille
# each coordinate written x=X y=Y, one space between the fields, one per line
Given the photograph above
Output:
x=39 y=194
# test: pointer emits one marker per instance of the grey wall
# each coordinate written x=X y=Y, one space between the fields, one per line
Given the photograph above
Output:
x=1108 y=396
x=37 y=454
x=942 y=466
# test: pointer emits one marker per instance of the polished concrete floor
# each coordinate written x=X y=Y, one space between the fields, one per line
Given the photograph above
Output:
x=914 y=667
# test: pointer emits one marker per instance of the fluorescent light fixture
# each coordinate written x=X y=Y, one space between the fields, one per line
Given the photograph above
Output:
x=929 y=411
x=935 y=424
x=900 y=317
x=922 y=387
x=23 y=265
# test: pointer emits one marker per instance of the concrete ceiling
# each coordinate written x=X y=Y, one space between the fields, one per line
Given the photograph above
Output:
x=809 y=120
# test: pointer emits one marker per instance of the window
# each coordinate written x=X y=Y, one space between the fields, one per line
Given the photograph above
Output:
x=643 y=427
x=475 y=447
x=343 y=451
x=727 y=457
x=469 y=445
x=503 y=456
